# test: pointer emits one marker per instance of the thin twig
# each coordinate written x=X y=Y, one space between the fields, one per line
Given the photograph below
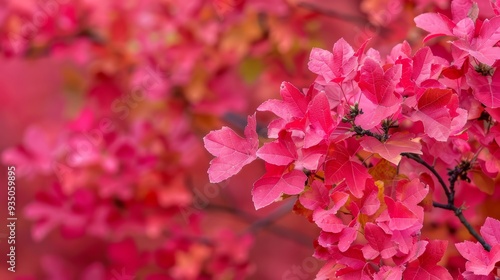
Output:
x=458 y=212
x=276 y=215
x=418 y=159
x=275 y=229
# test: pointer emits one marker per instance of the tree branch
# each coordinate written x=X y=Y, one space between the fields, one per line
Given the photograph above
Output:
x=458 y=212
x=265 y=223
x=418 y=159
x=454 y=175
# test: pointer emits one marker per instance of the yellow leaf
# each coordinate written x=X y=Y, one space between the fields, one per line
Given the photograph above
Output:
x=384 y=171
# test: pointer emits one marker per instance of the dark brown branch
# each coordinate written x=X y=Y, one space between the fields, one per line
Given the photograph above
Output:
x=451 y=197
x=458 y=212
x=418 y=159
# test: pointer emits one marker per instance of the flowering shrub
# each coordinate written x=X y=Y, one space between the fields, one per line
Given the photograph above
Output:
x=377 y=147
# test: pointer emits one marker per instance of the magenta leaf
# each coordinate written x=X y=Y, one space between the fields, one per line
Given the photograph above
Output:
x=293 y=105
x=486 y=88
x=279 y=152
x=378 y=243
x=378 y=85
x=315 y=197
x=276 y=182
x=479 y=261
x=491 y=231
x=425 y=267
x=321 y=63
x=436 y=24
x=232 y=152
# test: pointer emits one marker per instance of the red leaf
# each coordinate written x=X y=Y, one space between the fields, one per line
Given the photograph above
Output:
x=316 y=197
x=378 y=241
x=401 y=217
x=340 y=168
x=434 y=115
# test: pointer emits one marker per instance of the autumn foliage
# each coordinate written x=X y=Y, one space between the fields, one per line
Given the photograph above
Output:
x=378 y=146
x=377 y=158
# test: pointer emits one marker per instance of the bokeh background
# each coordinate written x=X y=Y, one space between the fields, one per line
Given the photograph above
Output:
x=103 y=107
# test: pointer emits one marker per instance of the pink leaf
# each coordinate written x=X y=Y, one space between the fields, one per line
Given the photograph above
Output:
x=276 y=182
x=232 y=152
x=310 y=158
x=432 y=112
x=279 y=152
x=373 y=113
x=328 y=221
x=486 y=89
x=343 y=58
x=371 y=203
x=315 y=197
x=411 y=193
x=422 y=64
x=389 y=273
x=379 y=241
x=495 y=6
x=377 y=85
x=491 y=231
x=436 y=24
x=319 y=113
x=401 y=217
x=321 y=63
x=479 y=261
x=425 y=266
x=460 y=9
x=293 y=105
